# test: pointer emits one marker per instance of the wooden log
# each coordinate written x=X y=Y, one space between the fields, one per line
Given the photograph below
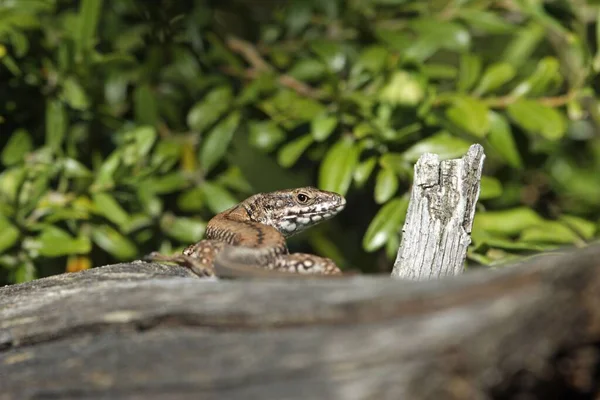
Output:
x=141 y=330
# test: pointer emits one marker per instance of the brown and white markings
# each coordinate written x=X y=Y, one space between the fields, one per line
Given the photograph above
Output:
x=250 y=237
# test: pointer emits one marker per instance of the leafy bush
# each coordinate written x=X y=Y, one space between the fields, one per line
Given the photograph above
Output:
x=127 y=125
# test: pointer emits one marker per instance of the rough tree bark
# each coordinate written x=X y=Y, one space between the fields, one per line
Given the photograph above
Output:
x=437 y=230
x=150 y=331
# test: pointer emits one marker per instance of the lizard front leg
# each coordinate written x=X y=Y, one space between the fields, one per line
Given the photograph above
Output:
x=198 y=257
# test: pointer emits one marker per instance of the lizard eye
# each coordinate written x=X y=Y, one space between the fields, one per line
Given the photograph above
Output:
x=302 y=198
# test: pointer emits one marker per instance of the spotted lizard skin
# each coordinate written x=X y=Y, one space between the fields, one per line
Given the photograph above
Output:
x=251 y=236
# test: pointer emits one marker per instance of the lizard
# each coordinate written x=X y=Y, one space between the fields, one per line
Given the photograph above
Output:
x=249 y=239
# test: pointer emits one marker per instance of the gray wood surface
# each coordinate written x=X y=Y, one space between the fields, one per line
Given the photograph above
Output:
x=437 y=230
x=152 y=331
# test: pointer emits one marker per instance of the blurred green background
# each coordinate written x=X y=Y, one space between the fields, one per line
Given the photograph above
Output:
x=126 y=125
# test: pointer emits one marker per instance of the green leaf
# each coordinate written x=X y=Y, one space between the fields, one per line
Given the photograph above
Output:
x=506 y=222
x=19 y=42
x=235 y=179
x=66 y=214
x=446 y=34
x=391 y=246
x=145 y=104
x=32 y=191
x=17 y=147
x=207 y=111
x=386 y=185
x=435 y=71
x=331 y=53
x=507 y=244
x=546 y=73
x=186 y=230
x=107 y=206
x=256 y=89
x=74 y=95
x=364 y=170
x=166 y=154
x=217 y=141
x=396 y=40
x=25 y=272
x=584 y=228
x=149 y=201
x=111 y=241
x=291 y=152
x=541 y=80
x=490 y=188
x=55 y=242
x=265 y=135
x=307 y=69
x=470 y=68
x=74 y=169
x=136 y=223
x=397 y=163
x=494 y=77
x=11 y=181
x=596 y=61
x=487 y=21
x=9 y=234
x=362 y=130
x=298 y=17
x=524 y=43
x=580 y=183
x=56 y=124
x=139 y=143
x=434 y=34
x=218 y=199
x=502 y=140
x=191 y=200
x=470 y=114
x=11 y=65
x=549 y=232
x=387 y=222
x=371 y=59
x=442 y=143
x=289 y=109
x=403 y=88
x=337 y=168
x=537 y=118
x=89 y=15
x=106 y=172
x=168 y=183
x=323 y=126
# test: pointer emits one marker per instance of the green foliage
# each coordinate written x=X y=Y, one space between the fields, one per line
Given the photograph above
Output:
x=127 y=125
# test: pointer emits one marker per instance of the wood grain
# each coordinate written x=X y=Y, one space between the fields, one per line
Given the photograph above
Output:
x=151 y=331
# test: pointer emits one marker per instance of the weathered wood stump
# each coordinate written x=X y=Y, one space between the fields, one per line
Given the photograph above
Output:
x=437 y=230
x=151 y=331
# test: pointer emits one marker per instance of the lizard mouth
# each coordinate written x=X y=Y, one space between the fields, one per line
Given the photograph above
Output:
x=314 y=216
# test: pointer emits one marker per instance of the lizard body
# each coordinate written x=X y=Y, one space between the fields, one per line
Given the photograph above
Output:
x=250 y=237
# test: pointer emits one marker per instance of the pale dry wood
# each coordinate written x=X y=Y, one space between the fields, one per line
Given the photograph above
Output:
x=437 y=230
x=150 y=331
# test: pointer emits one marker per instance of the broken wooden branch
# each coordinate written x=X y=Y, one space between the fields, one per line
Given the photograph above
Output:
x=437 y=229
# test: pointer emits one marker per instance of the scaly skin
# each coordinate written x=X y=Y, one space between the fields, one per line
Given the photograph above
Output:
x=250 y=236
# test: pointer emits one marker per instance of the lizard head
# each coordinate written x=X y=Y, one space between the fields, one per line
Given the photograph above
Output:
x=293 y=210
